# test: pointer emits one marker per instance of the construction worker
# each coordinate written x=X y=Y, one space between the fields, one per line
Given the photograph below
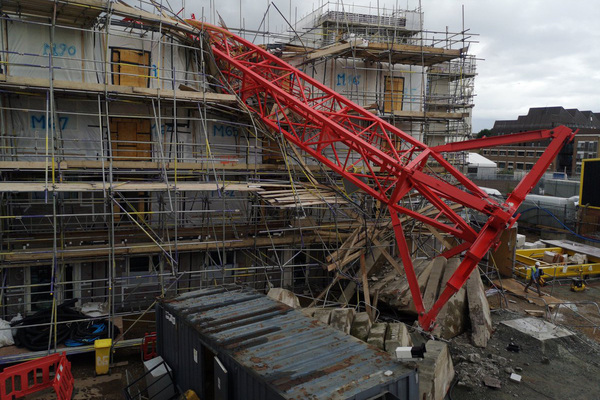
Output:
x=536 y=272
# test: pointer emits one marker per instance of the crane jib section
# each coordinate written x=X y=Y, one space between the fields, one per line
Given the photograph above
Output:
x=376 y=156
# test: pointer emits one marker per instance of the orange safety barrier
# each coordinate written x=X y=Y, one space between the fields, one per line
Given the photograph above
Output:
x=149 y=346
x=32 y=376
x=63 y=382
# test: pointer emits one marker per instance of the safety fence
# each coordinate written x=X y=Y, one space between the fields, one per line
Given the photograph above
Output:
x=32 y=376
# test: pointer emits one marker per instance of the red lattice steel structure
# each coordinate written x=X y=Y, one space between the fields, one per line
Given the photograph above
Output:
x=383 y=161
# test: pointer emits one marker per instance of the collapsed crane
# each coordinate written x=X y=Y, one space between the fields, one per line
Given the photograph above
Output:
x=380 y=159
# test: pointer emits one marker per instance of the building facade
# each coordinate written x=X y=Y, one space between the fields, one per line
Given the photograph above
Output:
x=525 y=155
x=129 y=173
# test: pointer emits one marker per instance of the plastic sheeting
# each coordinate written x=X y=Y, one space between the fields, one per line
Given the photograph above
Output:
x=79 y=56
x=29 y=52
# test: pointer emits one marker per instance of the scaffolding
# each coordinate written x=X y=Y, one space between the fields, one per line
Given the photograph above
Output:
x=126 y=174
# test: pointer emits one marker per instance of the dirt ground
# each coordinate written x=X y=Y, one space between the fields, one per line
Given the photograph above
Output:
x=103 y=387
x=568 y=369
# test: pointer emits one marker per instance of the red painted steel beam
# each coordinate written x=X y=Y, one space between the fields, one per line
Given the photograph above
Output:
x=494 y=141
x=352 y=142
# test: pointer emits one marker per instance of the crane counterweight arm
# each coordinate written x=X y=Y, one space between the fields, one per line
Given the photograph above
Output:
x=382 y=160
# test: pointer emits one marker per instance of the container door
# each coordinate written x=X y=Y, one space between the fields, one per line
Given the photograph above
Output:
x=221 y=381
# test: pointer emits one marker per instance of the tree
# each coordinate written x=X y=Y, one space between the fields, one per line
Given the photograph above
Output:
x=484 y=132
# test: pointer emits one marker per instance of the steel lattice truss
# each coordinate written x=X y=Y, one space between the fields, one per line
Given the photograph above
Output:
x=379 y=158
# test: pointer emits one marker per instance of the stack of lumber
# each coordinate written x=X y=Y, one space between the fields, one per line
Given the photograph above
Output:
x=297 y=197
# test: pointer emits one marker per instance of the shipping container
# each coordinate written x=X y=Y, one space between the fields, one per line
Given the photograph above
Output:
x=234 y=343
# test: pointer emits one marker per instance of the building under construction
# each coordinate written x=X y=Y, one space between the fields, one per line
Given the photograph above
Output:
x=129 y=172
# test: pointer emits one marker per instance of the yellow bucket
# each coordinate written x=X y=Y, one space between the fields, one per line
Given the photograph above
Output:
x=102 y=347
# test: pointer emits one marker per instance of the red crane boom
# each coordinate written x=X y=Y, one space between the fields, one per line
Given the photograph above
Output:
x=376 y=156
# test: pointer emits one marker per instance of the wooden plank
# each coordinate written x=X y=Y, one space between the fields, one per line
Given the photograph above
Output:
x=126 y=90
x=399 y=269
x=439 y=236
x=27 y=187
x=430 y=114
x=518 y=289
x=365 y=286
x=79 y=252
x=334 y=49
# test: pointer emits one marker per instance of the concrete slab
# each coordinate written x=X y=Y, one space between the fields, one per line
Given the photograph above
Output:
x=377 y=335
x=397 y=336
x=538 y=328
x=323 y=315
x=479 y=310
x=341 y=319
x=308 y=311
x=452 y=319
x=361 y=326
x=436 y=371
x=284 y=296
x=433 y=283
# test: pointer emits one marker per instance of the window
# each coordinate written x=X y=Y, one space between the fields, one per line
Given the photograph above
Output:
x=511 y=165
x=511 y=153
x=130 y=67
x=520 y=153
x=502 y=152
x=494 y=152
x=531 y=154
x=529 y=166
x=520 y=166
x=501 y=165
x=394 y=92
x=538 y=154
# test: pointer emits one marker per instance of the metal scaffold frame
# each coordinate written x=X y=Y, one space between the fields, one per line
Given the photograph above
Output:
x=208 y=191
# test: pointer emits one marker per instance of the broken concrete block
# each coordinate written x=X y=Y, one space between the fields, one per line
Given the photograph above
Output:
x=323 y=315
x=284 y=296
x=377 y=335
x=397 y=336
x=479 y=310
x=436 y=371
x=422 y=279
x=309 y=311
x=433 y=283
x=492 y=382
x=341 y=319
x=361 y=326
x=452 y=320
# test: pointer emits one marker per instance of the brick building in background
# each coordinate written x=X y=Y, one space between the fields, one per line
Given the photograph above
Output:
x=522 y=157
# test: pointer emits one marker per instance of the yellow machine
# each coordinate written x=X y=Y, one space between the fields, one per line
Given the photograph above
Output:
x=577 y=285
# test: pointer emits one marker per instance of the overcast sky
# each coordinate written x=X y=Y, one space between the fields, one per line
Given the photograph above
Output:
x=534 y=53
